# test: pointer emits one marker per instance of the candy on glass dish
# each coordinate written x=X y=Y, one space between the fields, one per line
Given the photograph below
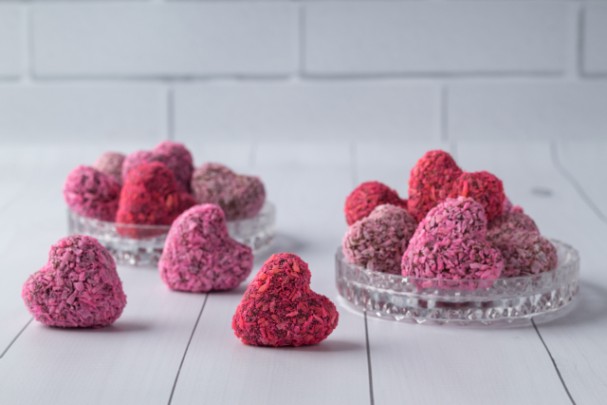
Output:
x=473 y=259
x=200 y=256
x=279 y=309
x=111 y=163
x=239 y=196
x=128 y=203
x=378 y=241
x=77 y=288
x=364 y=198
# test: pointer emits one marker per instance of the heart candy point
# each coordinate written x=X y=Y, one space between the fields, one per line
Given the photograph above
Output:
x=77 y=288
x=279 y=308
x=200 y=256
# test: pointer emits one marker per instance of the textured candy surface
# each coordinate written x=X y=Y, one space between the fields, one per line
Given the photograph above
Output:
x=484 y=188
x=279 y=308
x=91 y=193
x=453 y=248
x=77 y=288
x=430 y=182
x=111 y=163
x=509 y=222
x=525 y=253
x=174 y=155
x=150 y=196
x=200 y=256
x=364 y=198
x=378 y=241
x=239 y=196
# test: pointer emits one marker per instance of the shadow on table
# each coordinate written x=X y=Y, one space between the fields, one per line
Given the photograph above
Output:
x=327 y=346
x=590 y=308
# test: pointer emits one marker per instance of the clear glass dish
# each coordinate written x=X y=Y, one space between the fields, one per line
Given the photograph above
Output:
x=503 y=302
x=257 y=232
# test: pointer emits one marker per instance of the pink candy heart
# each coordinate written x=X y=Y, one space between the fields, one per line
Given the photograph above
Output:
x=378 y=241
x=91 y=193
x=450 y=244
x=200 y=256
x=239 y=196
x=77 y=288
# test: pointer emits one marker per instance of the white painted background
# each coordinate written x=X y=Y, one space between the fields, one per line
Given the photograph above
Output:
x=264 y=70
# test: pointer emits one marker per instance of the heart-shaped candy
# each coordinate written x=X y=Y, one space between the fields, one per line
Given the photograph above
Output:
x=364 y=198
x=430 y=182
x=453 y=247
x=174 y=155
x=484 y=188
x=111 y=163
x=150 y=196
x=239 y=196
x=524 y=250
x=77 y=288
x=200 y=256
x=525 y=253
x=91 y=193
x=378 y=241
x=279 y=308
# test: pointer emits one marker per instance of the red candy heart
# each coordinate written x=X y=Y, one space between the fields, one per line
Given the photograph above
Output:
x=484 y=188
x=430 y=181
x=77 y=288
x=279 y=308
x=150 y=196
x=200 y=256
x=91 y=193
x=364 y=198
x=239 y=196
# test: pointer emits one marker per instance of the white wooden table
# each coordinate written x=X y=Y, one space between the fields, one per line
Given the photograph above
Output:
x=178 y=348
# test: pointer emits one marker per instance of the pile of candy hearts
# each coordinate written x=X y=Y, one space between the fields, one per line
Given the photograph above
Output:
x=455 y=225
x=154 y=187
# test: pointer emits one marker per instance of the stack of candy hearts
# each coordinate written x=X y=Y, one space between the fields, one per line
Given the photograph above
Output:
x=454 y=225
x=152 y=187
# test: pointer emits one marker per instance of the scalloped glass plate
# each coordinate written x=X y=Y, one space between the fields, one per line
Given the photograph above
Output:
x=503 y=302
x=257 y=232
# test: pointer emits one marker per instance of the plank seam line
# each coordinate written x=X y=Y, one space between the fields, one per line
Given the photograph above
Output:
x=573 y=181
x=185 y=352
x=556 y=367
x=369 y=367
x=12 y=342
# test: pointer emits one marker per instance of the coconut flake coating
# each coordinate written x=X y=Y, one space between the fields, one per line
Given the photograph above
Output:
x=239 y=196
x=110 y=163
x=450 y=244
x=430 y=182
x=77 y=288
x=455 y=217
x=364 y=198
x=91 y=193
x=279 y=308
x=174 y=155
x=200 y=256
x=150 y=196
x=509 y=222
x=177 y=158
x=483 y=187
x=525 y=253
x=378 y=241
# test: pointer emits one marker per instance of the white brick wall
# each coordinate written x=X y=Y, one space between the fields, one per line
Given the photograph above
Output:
x=294 y=69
